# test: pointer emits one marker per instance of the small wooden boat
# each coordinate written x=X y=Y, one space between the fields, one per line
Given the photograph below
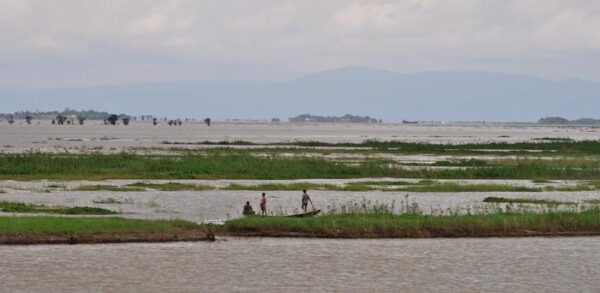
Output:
x=307 y=214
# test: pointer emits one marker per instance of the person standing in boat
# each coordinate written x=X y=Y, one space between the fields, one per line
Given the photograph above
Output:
x=305 y=200
x=263 y=204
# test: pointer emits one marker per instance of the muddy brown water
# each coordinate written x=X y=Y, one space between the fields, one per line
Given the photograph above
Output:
x=313 y=265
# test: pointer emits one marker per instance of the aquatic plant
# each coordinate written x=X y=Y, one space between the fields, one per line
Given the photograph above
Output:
x=18 y=207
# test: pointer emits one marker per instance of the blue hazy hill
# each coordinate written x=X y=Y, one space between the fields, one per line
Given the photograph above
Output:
x=389 y=95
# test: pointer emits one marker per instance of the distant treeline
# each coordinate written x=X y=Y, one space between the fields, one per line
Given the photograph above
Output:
x=345 y=118
x=88 y=114
x=561 y=120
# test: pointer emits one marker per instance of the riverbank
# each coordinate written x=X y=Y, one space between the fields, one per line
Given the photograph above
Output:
x=71 y=230
x=388 y=225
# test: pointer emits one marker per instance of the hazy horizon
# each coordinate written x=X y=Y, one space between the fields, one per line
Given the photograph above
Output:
x=198 y=58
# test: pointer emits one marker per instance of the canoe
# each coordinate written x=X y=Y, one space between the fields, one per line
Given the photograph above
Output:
x=308 y=214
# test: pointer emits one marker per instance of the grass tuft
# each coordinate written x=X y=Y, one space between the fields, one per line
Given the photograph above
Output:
x=170 y=186
x=526 y=200
x=108 y=188
x=18 y=207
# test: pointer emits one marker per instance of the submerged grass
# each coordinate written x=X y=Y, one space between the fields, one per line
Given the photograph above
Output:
x=392 y=186
x=111 y=200
x=493 y=199
x=107 y=188
x=454 y=187
x=545 y=146
x=299 y=186
x=170 y=186
x=17 y=207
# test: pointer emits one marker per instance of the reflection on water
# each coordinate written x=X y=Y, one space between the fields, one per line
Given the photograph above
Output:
x=283 y=265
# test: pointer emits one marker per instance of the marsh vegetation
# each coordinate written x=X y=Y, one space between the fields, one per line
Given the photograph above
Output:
x=49 y=230
x=241 y=164
x=18 y=207
x=361 y=220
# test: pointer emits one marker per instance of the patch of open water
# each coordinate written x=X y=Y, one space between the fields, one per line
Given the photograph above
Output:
x=314 y=265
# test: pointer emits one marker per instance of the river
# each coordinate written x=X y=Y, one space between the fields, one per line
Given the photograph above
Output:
x=317 y=265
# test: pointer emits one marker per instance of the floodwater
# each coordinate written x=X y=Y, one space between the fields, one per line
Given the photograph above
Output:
x=219 y=205
x=316 y=265
x=95 y=137
x=285 y=265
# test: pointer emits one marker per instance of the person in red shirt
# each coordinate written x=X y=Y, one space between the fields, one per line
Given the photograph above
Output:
x=263 y=204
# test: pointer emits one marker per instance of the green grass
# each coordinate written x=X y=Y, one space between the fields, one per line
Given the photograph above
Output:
x=593 y=201
x=461 y=163
x=17 y=207
x=545 y=146
x=298 y=187
x=87 y=225
x=423 y=186
x=170 y=186
x=454 y=187
x=526 y=200
x=410 y=225
x=208 y=142
x=233 y=164
x=382 y=183
x=107 y=188
x=586 y=186
x=539 y=181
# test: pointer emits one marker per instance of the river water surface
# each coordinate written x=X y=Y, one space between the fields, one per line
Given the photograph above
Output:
x=317 y=265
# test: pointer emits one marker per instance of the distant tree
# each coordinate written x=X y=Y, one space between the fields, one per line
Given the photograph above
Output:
x=154 y=121
x=11 y=119
x=60 y=119
x=112 y=119
x=81 y=119
x=553 y=120
x=207 y=121
x=125 y=120
x=28 y=119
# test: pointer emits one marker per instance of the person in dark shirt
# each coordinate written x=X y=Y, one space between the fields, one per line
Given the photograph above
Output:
x=248 y=209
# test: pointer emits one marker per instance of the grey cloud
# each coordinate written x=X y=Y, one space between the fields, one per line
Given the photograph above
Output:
x=69 y=42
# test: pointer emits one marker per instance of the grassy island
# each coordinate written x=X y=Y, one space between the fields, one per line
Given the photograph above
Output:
x=71 y=230
x=388 y=225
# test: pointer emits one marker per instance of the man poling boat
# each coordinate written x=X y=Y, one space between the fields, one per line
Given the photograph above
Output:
x=248 y=211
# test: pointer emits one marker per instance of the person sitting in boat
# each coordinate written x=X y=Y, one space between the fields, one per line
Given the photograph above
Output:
x=248 y=211
x=305 y=200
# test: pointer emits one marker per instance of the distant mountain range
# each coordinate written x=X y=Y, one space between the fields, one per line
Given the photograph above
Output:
x=392 y=96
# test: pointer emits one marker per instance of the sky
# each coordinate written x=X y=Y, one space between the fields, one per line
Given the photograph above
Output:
x=82 y=42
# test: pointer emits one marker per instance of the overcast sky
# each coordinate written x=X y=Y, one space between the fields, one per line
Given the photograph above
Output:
x=81 y=42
